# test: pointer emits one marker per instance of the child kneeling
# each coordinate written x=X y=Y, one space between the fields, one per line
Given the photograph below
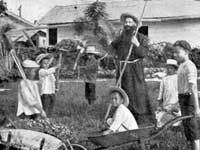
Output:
x=122 y=119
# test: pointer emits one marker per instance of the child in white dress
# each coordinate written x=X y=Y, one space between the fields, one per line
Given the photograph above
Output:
x=168 y=95
x=29 y=102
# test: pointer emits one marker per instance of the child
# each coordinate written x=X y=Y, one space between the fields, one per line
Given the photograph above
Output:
x=29 y=102
x=123 y=119
x=47 y=82
x=188 y=95
x=168 y=95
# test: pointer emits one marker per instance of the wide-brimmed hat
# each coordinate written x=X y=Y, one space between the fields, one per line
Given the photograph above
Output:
x=172 y=62
x=122 y=92
x=128 y=15
x=41 y=56
x=30 y=64
x=92 y=50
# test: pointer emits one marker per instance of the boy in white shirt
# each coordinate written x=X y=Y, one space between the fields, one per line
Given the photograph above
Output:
x=168 y=95
x=29 y=102
x=122 y=119
x=47 y=82
x=188 y=93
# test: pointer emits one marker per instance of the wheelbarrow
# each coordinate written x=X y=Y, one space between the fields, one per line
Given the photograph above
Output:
x=20 y=139
x=134 y=138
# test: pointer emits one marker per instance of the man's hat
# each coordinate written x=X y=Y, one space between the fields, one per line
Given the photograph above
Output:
x=127 y=15
x=30 y=64
x=122 y=92
x=172 y=62
x=92 y=50
x=41 y=56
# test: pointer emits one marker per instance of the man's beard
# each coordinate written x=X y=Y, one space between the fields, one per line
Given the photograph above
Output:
x=129 y=28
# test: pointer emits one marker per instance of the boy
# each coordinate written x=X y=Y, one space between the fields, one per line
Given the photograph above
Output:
x=47 y=82
x=168 y=95
x=188 y=95
x=123 y=119
x=29 y=102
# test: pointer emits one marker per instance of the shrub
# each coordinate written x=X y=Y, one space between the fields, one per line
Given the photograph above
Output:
x=158 y=54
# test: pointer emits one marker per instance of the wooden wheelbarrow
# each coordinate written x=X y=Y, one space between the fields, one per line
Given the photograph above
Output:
x=133 y=138
x=20 y=139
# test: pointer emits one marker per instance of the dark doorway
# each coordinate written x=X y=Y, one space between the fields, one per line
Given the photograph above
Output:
x=52 y=36
x=144 y=30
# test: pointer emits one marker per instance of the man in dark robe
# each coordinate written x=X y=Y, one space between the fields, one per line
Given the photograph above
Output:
x=133 y=80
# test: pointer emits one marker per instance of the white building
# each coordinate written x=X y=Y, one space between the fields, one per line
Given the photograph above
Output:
x=163 y=20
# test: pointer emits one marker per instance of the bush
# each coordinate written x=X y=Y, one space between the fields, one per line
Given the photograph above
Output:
x=158 y=54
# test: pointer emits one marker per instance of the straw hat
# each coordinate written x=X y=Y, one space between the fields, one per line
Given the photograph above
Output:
x=41 y=56
x=122 y=92
x=92 y=50
x=172 y=62
x=127 y=15
x=30 y=64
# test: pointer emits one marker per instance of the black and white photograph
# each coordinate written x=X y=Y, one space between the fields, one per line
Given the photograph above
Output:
x=99 y=74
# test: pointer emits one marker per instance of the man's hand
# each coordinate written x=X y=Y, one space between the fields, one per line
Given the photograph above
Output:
x=134 y=40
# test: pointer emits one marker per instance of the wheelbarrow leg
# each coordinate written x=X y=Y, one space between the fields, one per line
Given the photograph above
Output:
x=8 y=141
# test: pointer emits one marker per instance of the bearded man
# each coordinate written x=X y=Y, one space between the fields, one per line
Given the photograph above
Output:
x=133 y=80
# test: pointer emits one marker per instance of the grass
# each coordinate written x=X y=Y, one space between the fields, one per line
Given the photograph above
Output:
x=72 y=110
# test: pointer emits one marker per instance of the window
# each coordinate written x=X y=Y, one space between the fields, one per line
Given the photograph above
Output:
x=144 y=30
x=52 y=36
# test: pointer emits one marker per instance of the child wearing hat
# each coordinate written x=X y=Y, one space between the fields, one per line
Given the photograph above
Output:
x=168 y=95
x=29 y=102
x=188 y=93
x=47 y=82
x=122 y=119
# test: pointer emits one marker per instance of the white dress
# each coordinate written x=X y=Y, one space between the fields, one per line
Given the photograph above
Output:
x=28 y=97
x=47 y=80
x=169 y=94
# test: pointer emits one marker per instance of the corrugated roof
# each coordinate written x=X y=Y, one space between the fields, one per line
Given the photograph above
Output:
x=28 y=23
x=155 y=10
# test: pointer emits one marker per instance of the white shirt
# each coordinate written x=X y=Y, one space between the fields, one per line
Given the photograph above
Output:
x=47 y=80
x=187 y=73
x=123 y=120
x=168 y=91
x=28 y=96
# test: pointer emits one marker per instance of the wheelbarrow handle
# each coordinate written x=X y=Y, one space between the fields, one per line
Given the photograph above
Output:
x=166 y=126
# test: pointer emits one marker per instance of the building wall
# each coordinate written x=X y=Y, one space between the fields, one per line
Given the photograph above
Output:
x=168 y=31
x=171 y=31
x=66 y=33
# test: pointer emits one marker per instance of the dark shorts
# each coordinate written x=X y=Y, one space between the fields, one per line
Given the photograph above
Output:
x=191 y=126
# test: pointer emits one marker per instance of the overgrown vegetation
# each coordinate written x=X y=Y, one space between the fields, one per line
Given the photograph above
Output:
x=72 y=112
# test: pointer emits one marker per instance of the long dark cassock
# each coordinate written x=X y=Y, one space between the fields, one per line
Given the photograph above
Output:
x=133 y=80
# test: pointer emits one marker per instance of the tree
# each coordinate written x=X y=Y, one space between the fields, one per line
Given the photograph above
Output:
x=92 y=14
x=3 y=7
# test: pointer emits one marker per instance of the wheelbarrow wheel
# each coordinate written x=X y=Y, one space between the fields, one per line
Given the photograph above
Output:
x=76 y=147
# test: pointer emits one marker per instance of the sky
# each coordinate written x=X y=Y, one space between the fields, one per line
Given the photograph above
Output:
x=35 y=9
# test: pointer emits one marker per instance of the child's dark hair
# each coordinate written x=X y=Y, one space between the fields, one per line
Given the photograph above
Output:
x=183 y=44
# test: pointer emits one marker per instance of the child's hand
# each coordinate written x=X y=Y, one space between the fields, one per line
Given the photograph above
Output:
x=197 y=113
x=107 y=132
x=58 y=65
